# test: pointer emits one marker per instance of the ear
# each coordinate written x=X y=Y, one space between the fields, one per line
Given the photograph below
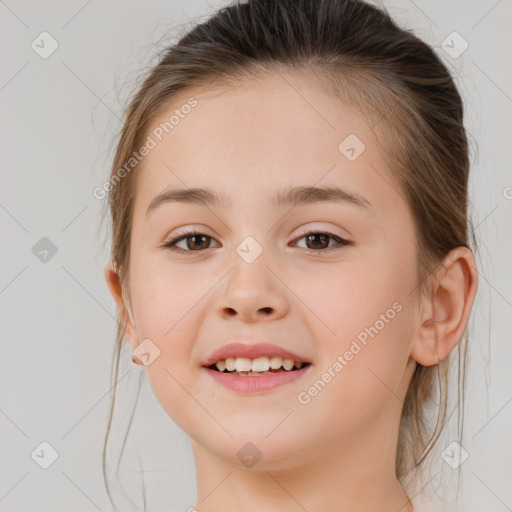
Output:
x=114 y=285
x=445 y=311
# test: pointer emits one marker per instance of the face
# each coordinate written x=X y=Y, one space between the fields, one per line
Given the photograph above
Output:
x=338 y=298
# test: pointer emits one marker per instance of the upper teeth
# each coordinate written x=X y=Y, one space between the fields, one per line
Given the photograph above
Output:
x=259 y=364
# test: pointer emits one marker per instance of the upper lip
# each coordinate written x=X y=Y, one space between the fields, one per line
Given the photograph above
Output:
x=251 y=351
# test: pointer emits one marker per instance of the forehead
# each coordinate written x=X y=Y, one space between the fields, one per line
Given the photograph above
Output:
x=257 y=135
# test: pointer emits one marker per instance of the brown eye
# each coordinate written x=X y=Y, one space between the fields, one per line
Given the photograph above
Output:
x=194 y=242
x=198 y=242
x=319 y=240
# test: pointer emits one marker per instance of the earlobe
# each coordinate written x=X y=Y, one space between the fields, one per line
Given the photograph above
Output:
x=445 y=313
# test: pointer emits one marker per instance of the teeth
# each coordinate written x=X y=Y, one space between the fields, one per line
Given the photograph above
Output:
x=258 y=365
x=243 y=364
x=276 y=363
x=287 y=364
x=230 y=364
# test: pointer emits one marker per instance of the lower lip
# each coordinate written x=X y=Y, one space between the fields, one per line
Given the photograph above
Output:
x=249 y=385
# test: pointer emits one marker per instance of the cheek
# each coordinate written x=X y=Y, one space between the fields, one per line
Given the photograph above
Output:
x=363 y=312
x=164 y=297
x=347 y=297
x=167 y=305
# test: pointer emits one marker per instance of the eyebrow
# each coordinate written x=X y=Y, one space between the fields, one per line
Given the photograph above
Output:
x=294 y=196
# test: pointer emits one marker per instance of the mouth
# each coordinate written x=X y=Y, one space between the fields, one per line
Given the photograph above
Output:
x=249 y=368
x=256 y=376
x=257 y=367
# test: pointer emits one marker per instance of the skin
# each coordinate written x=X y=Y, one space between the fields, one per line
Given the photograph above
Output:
x=338 y=451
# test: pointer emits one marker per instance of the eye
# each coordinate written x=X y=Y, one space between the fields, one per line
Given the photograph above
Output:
x=315 y=240
x=199 y=241
x=318 y=239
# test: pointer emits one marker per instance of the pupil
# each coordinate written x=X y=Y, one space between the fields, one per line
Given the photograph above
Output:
x=194 y=237
x=315 y=235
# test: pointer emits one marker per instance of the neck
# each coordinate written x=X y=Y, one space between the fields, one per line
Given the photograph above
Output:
x=355 y=477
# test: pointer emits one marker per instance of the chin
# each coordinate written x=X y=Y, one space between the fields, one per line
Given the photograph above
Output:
x=253 y=448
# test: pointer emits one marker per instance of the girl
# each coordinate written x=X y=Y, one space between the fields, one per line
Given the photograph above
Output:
x=290 y=255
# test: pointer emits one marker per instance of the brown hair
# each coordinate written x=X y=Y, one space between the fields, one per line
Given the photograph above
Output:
x=356 y=52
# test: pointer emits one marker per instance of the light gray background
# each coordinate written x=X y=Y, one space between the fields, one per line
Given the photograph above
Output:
x=59 y=116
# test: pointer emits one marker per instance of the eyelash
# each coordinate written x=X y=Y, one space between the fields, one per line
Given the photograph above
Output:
x=189 y=234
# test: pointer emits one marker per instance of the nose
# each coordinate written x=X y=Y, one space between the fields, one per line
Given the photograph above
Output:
x=253 y=293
